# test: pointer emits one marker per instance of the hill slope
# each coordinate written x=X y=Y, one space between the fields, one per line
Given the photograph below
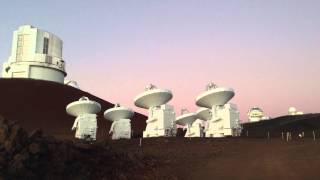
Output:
x=294 y=124
x=37 y=104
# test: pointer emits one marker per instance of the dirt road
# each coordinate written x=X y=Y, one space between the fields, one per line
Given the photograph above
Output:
x=262 y=159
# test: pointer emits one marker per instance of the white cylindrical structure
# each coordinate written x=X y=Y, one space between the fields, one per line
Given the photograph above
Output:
x=35 y=54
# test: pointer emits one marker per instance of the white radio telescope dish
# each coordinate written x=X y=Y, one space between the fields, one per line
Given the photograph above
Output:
x=83 y=106
x=118 y=112
x=204 y=114
x=214 y=96
x=186 y=119
x=152 y=96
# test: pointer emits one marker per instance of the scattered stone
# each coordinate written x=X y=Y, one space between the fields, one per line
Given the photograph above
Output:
x=3 y=133
x=8 y=146
x=34 y=148
x=35 y=134
x=2 y=162
x=2 y=120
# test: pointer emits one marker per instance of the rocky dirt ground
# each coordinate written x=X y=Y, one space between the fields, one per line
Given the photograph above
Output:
x=38 y=156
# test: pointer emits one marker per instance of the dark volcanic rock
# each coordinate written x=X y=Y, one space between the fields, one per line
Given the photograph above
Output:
x=308 y=124
x=35 y=134
x=35 y=148
x=3 y=134
x=37 y=156
x=3 y=130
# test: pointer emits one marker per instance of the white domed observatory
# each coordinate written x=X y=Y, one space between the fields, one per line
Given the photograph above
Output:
x=255 y=114
x=161 y=116
x=121 y=123
x=35 y=54
x=293 y=111
x=186 y=119
x=224 y=119
x=86 y=122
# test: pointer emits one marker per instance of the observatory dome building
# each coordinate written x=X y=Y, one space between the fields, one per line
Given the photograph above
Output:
x=35 y=54
x=293 y=111
x=255 y=114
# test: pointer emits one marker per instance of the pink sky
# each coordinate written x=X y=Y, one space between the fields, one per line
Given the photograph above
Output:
x=268 y=51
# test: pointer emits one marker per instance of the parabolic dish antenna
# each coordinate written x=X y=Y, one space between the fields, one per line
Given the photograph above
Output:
x=204 y=114
x=117 y=113
x=83 y=106
x=152 y=97
x=186 y=119
x=214 y=97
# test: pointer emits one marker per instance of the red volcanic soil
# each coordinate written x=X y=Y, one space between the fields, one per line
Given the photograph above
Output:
x=37 y=104
x=34 y=154
x=38 y=156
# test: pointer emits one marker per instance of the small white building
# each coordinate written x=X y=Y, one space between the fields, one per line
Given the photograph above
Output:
x=35 y=54
x=160 y=121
